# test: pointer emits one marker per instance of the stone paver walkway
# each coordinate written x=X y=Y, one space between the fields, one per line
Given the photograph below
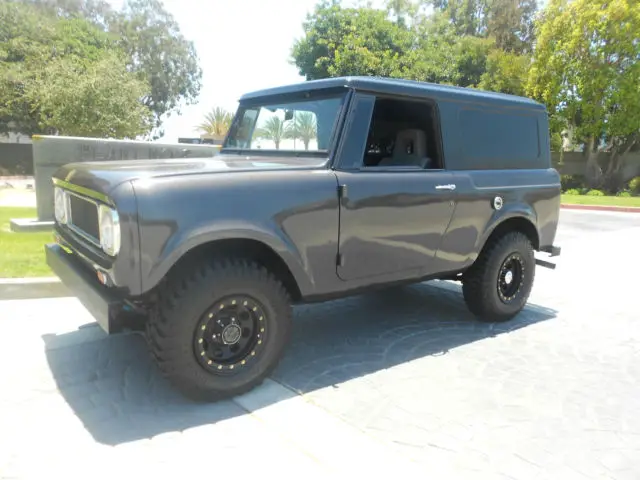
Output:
x=400 y=382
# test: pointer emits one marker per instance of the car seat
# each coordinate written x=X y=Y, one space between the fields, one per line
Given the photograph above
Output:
x=410 y=149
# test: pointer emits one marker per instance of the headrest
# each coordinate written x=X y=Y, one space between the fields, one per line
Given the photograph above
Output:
x=411 y=142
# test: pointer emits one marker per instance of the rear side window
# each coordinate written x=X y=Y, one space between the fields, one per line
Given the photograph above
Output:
x=499 y=136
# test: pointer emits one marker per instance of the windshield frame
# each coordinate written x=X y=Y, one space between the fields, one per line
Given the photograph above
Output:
x=341 y=93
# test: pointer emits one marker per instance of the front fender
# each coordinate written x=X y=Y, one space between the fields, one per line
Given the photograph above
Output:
x=180 y=244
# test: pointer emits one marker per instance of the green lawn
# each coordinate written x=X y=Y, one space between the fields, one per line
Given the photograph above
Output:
x=22 y=254
x=613 y=201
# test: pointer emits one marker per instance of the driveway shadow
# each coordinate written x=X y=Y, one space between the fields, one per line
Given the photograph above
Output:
x=118 y=394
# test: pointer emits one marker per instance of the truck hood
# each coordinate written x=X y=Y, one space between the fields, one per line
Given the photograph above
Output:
x=103 y=177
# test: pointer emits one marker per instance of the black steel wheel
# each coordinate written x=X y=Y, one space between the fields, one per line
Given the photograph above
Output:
x=511 y=277
x=497 y=286
x=221 y=329
x=231 y=334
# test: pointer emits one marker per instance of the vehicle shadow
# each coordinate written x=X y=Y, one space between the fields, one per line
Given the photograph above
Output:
x=118 y=394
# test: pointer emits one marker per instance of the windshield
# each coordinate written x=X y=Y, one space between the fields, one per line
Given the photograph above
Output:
x=290 y=126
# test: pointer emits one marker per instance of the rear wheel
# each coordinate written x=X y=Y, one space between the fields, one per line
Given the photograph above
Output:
x=498 y=285
x=222 y=330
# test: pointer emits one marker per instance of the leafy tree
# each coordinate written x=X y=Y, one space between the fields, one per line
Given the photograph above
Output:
x=468 y=17
x=273 y=129
x=509 y=22
x=303 y=127
x=505 y=72
x=155 y=48
x=404 y=12
x=364 y=41
x=349 y=41
x=587 y=70
x=216 y=123
x=159 y=54
x=442 y=56
x=38 y=50
x=90 y=99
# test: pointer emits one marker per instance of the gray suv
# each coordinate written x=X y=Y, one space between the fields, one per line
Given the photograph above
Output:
x=322 y=189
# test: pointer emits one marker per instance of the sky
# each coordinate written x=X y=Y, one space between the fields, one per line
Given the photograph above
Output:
x=243 y=45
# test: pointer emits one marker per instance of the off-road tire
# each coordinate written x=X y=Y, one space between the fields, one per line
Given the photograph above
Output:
x=480 y=283
x=184 y=303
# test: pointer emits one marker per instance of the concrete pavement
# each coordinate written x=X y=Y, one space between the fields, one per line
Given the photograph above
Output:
x=402 y=381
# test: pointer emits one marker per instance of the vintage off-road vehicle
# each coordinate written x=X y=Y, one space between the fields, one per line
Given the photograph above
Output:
x=322 y=189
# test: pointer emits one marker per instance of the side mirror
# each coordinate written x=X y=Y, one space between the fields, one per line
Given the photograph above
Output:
x=288 y=115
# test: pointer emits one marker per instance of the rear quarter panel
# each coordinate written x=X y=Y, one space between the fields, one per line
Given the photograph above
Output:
x=496 y=148
x=295 y=212
x=531 y=194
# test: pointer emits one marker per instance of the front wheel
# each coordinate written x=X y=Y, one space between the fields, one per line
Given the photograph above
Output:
x=498 y=284
x=220 y=331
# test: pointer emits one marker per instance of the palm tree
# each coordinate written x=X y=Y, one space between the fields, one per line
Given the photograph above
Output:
x=304 y=127
x=272 y=129
x=217 y=123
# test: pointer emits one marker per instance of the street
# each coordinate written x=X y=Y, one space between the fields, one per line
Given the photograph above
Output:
x=399 y=381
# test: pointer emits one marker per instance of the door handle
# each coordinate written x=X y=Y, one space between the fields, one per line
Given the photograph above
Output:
x=449 y=186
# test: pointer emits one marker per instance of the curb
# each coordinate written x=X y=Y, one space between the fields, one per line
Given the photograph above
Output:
x=32 y=288
x=600 y=208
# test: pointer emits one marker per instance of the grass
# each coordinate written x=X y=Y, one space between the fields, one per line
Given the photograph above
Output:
x=22 y=254
x=607 y=200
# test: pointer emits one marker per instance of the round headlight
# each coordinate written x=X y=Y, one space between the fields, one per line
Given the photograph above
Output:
x=109 y=230
x=60 y=205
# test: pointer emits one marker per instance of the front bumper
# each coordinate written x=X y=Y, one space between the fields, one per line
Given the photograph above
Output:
x=102 y=302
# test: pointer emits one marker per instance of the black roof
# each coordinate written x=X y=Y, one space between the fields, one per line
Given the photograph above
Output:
x=396 y=86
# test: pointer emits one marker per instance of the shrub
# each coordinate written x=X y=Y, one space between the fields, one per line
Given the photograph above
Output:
x=595 y=193
x=624 y=193
x=634 y=186
x=573 y=191
x=569 y=182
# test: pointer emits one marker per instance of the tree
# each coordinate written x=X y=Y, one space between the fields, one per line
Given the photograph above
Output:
x=468 y=17
x=90 y=99
x=273 y=129
x=216 y=123
x=587 y=70
x=509 y=22
x=155 y=48
x=349 y=41
x=159 y=53
x=364 y=41
x=505 y=72
x=442 y=56
x=304 y=127
x=38 y=51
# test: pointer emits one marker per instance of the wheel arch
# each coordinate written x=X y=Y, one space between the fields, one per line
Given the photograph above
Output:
x=515 y=222
x=268 y=253
x=248 y=248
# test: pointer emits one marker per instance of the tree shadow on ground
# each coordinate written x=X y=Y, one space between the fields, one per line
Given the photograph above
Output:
x=118 y=394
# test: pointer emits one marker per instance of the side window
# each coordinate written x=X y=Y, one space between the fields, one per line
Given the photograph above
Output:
x=499 y=136
x=403 y=134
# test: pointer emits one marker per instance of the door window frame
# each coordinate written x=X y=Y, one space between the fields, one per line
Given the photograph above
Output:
x=351 y=148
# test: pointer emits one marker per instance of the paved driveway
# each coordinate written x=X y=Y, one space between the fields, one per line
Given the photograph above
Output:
x=399 y=382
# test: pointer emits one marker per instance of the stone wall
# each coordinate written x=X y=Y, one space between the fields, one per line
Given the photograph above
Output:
x=51 y=152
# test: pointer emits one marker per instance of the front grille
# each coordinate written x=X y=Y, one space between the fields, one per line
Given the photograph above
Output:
x=84 y=216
